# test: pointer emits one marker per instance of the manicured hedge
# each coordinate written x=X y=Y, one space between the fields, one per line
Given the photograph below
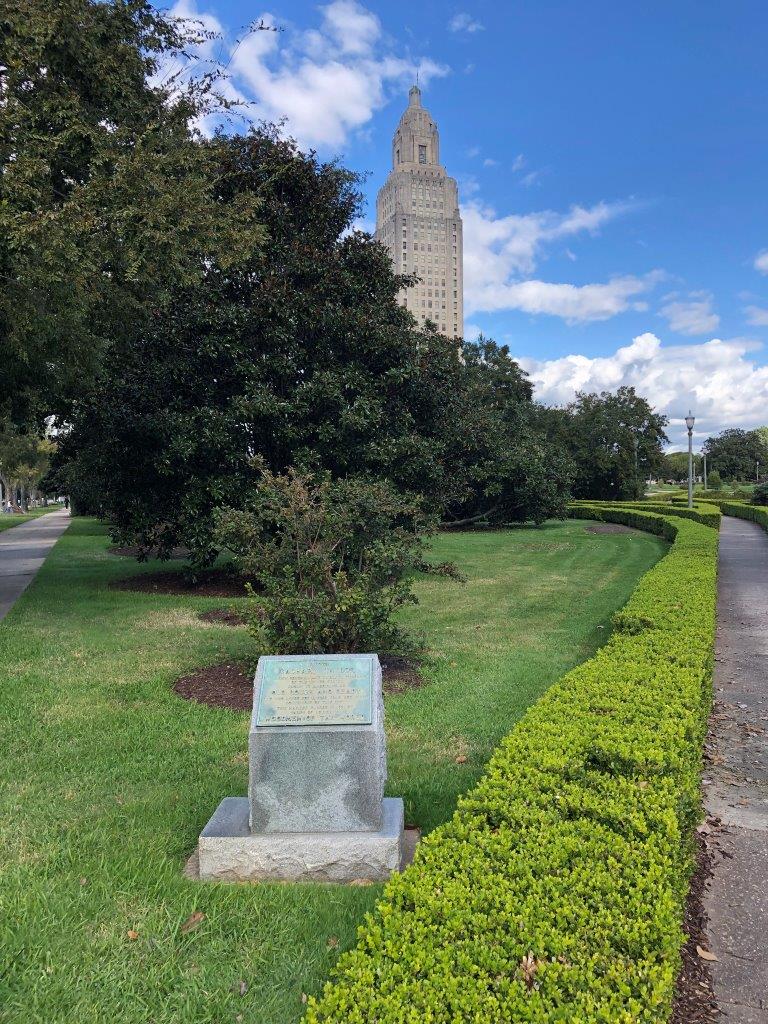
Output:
x=556 y=892
x=704 y=513
x=743 y=510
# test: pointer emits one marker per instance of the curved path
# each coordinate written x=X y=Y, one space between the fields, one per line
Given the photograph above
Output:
x=737 y=793
x=23 y=550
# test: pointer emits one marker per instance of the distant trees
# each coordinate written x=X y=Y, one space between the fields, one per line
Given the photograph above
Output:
x=614 y=439
x=675 y=467
x=737 y=453
x=24 y=460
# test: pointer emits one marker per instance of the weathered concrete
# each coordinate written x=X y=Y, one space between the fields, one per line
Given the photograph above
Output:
x=229 y=852
x=736 y=790
x=23 y=549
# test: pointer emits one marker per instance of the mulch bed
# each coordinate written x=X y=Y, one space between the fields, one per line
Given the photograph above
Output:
x=225 y=616
x=694 y=994
x=223 y=582
x=134 y=552
x=231 y=685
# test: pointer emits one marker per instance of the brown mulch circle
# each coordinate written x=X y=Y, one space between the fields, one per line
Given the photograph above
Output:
x=609 y=528
x=231 y=685
x=134 y=552
x=224 y=616
x=223 y=582
x=219 y=686
x=399 y=674
x=695 y=1001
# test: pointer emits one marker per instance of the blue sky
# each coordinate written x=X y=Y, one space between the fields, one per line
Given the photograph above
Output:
x=612 y=161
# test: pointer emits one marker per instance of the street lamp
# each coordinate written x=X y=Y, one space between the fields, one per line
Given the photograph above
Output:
x=689 y=421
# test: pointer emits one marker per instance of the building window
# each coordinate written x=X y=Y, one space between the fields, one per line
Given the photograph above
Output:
x=422 y=154
x=398 y=156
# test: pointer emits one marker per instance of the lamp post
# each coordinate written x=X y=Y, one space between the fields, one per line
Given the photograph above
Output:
x=689 y=421
x=705 y=472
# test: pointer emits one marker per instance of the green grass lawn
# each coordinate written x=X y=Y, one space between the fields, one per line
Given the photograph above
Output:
x=108 y=777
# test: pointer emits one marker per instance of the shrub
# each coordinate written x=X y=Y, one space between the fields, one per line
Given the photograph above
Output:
x=556 y=891
x=707 y=515
x=760 y=495
x=741 y=510
x=714 y=480
x=332 y=562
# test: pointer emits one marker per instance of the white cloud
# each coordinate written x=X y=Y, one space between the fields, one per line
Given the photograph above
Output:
x=756 y=316
x=326 y=82
x=499 y=252
x=716 y=379
x=761 y=261
x=573 y=303
x=530 y=178
x=490 y=162
x=519 y=162
x=692 y=315
x=464 y=22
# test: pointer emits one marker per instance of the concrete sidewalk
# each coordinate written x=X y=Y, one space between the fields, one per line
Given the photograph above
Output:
x=737 y=793
x=23 y=550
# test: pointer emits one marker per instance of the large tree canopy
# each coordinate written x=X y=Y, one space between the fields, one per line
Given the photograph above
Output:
x=615 y=440
x=303 y=356
x=736 y=454
x=106 y=201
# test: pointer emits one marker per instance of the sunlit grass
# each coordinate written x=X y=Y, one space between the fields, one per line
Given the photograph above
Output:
x=108 y=777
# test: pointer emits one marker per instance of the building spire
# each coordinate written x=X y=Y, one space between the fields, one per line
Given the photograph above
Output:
x=414 y=95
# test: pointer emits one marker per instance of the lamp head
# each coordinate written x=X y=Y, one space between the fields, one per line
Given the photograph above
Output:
x=690 y=420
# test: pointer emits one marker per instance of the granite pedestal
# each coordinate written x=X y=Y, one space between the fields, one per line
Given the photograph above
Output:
x=315 y=809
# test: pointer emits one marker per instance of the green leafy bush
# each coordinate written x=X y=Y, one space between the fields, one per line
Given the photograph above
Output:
x=760 y=495
x=741 y=510
x=332 y=562
x=556 y=892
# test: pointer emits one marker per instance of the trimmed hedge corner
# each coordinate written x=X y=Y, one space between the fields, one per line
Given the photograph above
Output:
x=556 y=891
x=702 y=512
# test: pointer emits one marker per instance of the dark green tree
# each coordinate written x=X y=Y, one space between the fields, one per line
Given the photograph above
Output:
x=675 y=467
x=302 y=355
x=737 y=453
x=107 y=205
x=615 y=440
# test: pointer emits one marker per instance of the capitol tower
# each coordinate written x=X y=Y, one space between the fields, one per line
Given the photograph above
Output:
x=417 y=220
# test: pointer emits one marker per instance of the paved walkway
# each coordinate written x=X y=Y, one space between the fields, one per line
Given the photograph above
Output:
x=737 y=794
x=23 y=549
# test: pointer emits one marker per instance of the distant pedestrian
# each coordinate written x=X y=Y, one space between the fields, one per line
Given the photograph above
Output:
x=66 y=502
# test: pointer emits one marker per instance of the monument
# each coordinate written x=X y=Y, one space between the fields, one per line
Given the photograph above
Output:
x=315 y=809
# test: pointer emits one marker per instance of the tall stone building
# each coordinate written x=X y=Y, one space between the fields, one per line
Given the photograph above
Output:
x=417 y=219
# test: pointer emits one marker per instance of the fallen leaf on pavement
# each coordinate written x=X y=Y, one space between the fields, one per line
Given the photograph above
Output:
x=705 y=954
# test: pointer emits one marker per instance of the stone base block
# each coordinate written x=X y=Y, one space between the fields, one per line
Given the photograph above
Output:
x=229 y=852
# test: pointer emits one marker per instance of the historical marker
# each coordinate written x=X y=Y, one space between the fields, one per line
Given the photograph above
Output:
x=317 y=767
x=323 y=691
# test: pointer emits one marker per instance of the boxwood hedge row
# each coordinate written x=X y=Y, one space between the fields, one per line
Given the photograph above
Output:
x=556 y=891
x=707 y=514
x=742 y=510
